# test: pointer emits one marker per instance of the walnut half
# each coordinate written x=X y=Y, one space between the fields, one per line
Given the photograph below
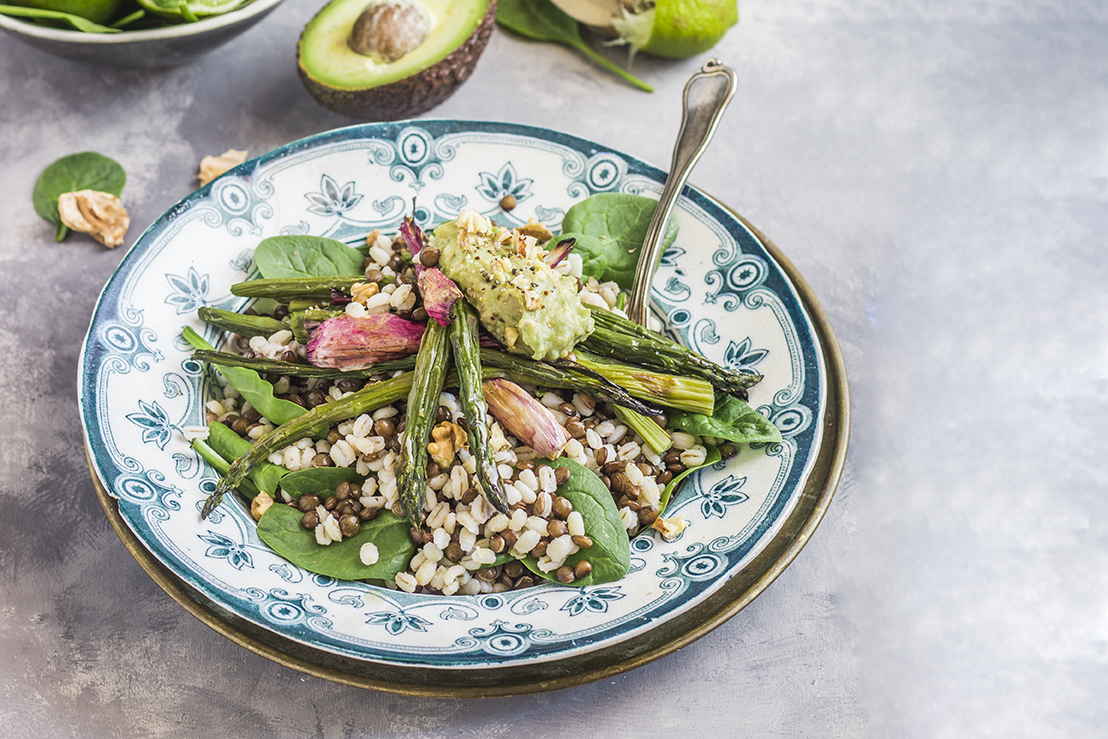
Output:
x=448 y=438
x=99 y=214
x=212 y=167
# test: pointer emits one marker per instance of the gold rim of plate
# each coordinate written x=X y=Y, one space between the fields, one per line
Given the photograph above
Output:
x=665 y=638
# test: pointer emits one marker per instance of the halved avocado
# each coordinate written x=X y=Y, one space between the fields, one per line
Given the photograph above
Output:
x=366 y=87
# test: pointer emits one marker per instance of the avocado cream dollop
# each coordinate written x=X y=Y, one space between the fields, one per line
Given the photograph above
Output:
x=525 y=304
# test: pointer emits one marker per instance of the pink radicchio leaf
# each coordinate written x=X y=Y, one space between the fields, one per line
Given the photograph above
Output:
x=439 y=294
x=562 y=249
x=524 y=417
x=413 y=237
x=350 y=343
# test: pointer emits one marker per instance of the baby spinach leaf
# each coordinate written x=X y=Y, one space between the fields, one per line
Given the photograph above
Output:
x=280 y=528
x=502 y=558
x=190 y=11
x=251 y=386
x=221 y=465
x=76 y=22
x=592 y=249
x=610 y=553
x=230 y=446
x=541 y=20
x=127 y=20
x=299 y=255
x=320 y=481
x=616 y=224
x=733 y=420
x=265 y=306
x=667 y=492
x=85 y=171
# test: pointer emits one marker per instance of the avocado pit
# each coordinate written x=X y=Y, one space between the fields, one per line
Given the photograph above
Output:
x=389 y=30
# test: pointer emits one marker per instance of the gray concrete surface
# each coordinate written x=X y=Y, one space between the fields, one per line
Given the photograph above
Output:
x=937 y=173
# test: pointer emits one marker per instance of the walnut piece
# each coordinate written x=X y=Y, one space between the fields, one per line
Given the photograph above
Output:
x=98 y=214
x=260 y=505
x=669 y=528
x=536 y=230
x=448 y=438
x=212 y=167
x=360 y=292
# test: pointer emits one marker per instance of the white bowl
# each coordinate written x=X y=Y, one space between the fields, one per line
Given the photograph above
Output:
x=152 y=48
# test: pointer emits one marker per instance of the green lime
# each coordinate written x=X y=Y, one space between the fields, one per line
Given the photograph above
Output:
x=678 y=29
x=190 y=10
x=97 y=11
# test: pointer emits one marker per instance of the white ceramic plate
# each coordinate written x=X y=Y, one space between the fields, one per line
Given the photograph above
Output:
x=721 y=290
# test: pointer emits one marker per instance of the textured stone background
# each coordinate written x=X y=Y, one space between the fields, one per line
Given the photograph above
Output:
x=936 y=172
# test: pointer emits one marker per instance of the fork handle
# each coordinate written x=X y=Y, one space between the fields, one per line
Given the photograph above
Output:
x=705 y=97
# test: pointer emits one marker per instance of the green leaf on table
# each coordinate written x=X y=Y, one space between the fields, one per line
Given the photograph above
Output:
x=299 y=255
x=84 y=171
x=733 y=420
x=320 y=481
x=667 y=492
x=541 y=20
x=251 y=386
x=610 y=553
x=280 y=528
x=610 y=229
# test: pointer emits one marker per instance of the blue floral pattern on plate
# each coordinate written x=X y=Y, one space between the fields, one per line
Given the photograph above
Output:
x=718 y=290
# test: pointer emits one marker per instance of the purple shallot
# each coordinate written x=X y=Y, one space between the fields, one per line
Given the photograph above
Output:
x=439 y=295
x=524 y=417
x=353 y=343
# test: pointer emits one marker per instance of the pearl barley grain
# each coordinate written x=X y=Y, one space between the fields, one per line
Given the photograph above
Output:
x=368 y=554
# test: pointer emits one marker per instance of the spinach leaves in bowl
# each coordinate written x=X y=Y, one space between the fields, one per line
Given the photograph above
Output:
x=132 y=36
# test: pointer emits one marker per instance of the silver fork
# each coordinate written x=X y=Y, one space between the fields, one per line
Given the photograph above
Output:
x=705 y=97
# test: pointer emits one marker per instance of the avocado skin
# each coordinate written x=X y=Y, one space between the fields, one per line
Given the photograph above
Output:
x=411 y=96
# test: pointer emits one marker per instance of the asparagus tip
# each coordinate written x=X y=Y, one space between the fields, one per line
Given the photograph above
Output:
x=211 y=503
x=499 y=503
x=489 y=482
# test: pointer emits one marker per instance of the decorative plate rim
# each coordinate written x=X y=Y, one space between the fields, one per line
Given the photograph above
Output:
x=819 y=481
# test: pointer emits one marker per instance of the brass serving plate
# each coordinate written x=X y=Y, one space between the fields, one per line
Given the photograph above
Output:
x=732 y=597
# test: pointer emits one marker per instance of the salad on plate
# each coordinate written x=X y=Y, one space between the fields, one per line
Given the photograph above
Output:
x=462 y=410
